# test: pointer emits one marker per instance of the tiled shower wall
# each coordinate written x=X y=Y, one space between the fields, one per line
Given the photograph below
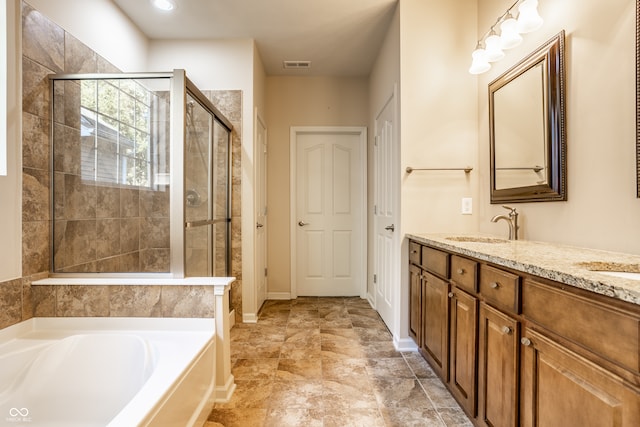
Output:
x=48 y=49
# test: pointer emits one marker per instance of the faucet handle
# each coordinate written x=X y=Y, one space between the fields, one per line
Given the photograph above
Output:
x=509 y=208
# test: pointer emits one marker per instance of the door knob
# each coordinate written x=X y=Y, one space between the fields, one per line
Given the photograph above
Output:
x=302 y=223
x=258 y=225
x=390 y=227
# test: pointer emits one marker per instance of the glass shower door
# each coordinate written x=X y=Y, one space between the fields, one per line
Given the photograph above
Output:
x=207 y=193
x=198 y=190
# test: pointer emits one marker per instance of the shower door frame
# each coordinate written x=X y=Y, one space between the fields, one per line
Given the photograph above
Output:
x=181 y=89
x=180 y=85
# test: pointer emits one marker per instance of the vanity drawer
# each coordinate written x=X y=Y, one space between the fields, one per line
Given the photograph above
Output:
x=464 y=273
x=435 y=261
x=414 y=253
x=500 y=288
x=603 y=329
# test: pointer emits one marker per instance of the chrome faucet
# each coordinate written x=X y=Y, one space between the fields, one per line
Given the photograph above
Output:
x=512 y=220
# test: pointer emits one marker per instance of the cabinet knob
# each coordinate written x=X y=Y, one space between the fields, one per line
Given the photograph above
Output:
x=494 y=285
x=414 y=251
x=451 y=294
x=506 y=330
x=525 y=341
x=460 y=271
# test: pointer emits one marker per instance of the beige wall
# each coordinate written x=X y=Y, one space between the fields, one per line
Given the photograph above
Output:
x=102 y=26
x=439 y=114
x=300 y=101
x=602 y=210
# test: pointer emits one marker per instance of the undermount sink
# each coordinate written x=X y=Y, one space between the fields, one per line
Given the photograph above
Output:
x=614 y=269
x=474 y=239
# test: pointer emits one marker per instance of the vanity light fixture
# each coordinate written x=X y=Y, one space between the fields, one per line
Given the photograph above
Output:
x=164 y=5
x=491 y=46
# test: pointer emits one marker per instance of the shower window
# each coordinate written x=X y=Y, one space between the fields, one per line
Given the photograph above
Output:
x=111 y=158
x=116 y=132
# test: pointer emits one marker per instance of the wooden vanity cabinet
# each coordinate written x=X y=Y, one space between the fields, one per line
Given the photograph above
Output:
x=435 y=323
x=498 y=357
x=463 y=338
x=415 y=303
x=560 y=387
x=518 y=350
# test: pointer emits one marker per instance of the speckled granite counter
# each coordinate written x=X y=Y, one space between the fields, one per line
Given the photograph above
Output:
x=564 y=264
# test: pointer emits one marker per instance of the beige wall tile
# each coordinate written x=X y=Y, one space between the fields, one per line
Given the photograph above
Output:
x=42 y=40
x=135 y=301
x=10 y=302
x=82 y=301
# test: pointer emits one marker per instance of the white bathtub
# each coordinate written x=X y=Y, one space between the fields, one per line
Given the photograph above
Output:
x=107 y=372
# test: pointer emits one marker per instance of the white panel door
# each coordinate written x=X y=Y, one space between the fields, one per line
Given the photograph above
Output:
x=385 y=191
x=261 y=213
x=329 y=202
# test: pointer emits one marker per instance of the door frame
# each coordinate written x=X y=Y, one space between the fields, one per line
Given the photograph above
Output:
x=361 y=131
x=257 y=186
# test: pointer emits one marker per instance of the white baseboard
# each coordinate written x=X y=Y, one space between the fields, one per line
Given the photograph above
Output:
x=249 y=318
x=279 y=295
x=404 y=344
x=223 y=393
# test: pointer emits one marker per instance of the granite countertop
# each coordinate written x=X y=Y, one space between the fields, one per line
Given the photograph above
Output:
x=565 y=264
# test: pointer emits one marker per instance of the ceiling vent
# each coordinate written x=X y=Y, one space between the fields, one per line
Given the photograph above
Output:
x=296 y=65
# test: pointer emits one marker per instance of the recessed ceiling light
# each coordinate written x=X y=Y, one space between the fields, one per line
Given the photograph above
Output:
x=164 y=5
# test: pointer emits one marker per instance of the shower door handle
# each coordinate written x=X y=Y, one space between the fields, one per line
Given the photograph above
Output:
x=193 y=224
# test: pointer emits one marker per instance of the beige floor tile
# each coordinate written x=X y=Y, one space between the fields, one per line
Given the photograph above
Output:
x=296 y=395
x=329 y=362
x=401 y=393
x=287 y=417
x=391 y=367
x=255 y=369
x=348 y=393
x=333 y=368
x=249 y=394
x=299 y=369
x=239 y=417
x=354 y=417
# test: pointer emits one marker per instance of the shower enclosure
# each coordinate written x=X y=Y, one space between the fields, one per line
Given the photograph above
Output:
x=140 y=173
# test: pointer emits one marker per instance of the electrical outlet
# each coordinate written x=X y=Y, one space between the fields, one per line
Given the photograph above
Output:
x=467 y=206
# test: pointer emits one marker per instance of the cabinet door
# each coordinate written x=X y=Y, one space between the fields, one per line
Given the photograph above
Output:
x=463 y=313
x=435 y=322
x=415 y=303
x=562 y=388
x=497 y=368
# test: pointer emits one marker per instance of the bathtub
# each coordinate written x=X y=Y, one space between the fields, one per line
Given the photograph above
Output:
x=116 y=372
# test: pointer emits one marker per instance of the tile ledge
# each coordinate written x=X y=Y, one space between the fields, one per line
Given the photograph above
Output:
x=134 y=281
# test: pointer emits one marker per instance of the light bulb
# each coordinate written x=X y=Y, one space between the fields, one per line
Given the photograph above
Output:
x=509 y=36
x=492 y=43
x=529 y=20
x=479 y=64
x=164 y=5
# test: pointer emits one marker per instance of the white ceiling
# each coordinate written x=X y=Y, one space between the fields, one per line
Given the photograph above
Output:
x=339 y=37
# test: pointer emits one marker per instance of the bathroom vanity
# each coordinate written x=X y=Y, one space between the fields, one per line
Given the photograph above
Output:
x=528 y=333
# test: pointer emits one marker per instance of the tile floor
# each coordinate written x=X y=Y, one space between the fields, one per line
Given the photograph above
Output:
x=329 y=362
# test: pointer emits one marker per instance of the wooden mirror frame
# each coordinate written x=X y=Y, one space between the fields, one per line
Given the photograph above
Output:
x=555 y=142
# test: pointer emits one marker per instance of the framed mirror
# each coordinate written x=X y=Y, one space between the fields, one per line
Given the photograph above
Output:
x=527 y=128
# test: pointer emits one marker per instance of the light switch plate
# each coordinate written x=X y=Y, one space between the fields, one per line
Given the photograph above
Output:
x=467 y=206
